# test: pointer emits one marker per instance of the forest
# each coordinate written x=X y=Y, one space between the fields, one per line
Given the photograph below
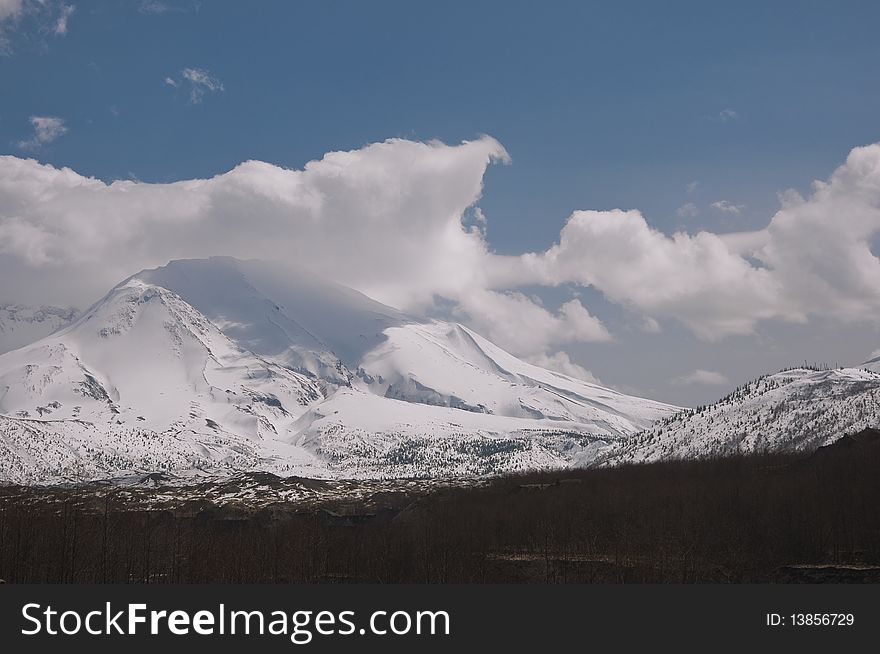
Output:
x=766 y=519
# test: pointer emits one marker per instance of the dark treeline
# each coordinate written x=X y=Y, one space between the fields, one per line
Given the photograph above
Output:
x=767 y=518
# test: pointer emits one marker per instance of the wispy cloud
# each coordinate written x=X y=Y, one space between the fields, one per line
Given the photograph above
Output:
x=199 y=81
x=728 y=207
x=46 y=130
x=157 y=7
x=64 y=13
x=35 y=17
x=687 y=210
x=727 y=115
x=702 y=377
x=691 y=187
x=10 y=12
x=153 y=7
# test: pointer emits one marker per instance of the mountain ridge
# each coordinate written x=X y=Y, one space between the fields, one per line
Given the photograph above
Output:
x=794 y=410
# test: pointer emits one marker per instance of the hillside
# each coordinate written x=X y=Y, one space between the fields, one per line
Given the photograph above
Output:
x=794 y=410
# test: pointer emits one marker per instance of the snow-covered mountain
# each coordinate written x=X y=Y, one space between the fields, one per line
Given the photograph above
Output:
x=21 y=325
x=794 y=410
x=223 y=364
x=287 y=315
x=138 y=363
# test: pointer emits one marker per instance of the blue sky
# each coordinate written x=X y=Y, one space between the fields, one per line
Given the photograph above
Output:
x=665 y=107
x=600 y=104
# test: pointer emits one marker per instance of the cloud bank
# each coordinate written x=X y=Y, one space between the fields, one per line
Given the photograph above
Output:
x=389 y=219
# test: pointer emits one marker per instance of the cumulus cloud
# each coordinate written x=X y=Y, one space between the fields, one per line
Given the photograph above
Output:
x=386 y=219
x=696 y=279
x=199 y=81
x=702 y=377
x=46 y=130
x=814 y=258
x=395 y=220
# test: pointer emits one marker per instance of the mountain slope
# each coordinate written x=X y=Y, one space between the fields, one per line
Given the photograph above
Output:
x=793 y=410
x=287 y=315
x=143 y=360
x=447 y=364
x=364 y=435
x=21 y=325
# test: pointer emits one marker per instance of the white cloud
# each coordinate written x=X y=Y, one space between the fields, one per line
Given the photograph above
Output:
x=390 y=220
x=687 y=210
x=691 y=187
x=694 y=279
x=522 y=325
x=560 y=362
x=814 y=258
x=702 y=377
x=728 y=207
x=727 y=115
x=386 y=219
x=46 y=130
x=199 y=82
